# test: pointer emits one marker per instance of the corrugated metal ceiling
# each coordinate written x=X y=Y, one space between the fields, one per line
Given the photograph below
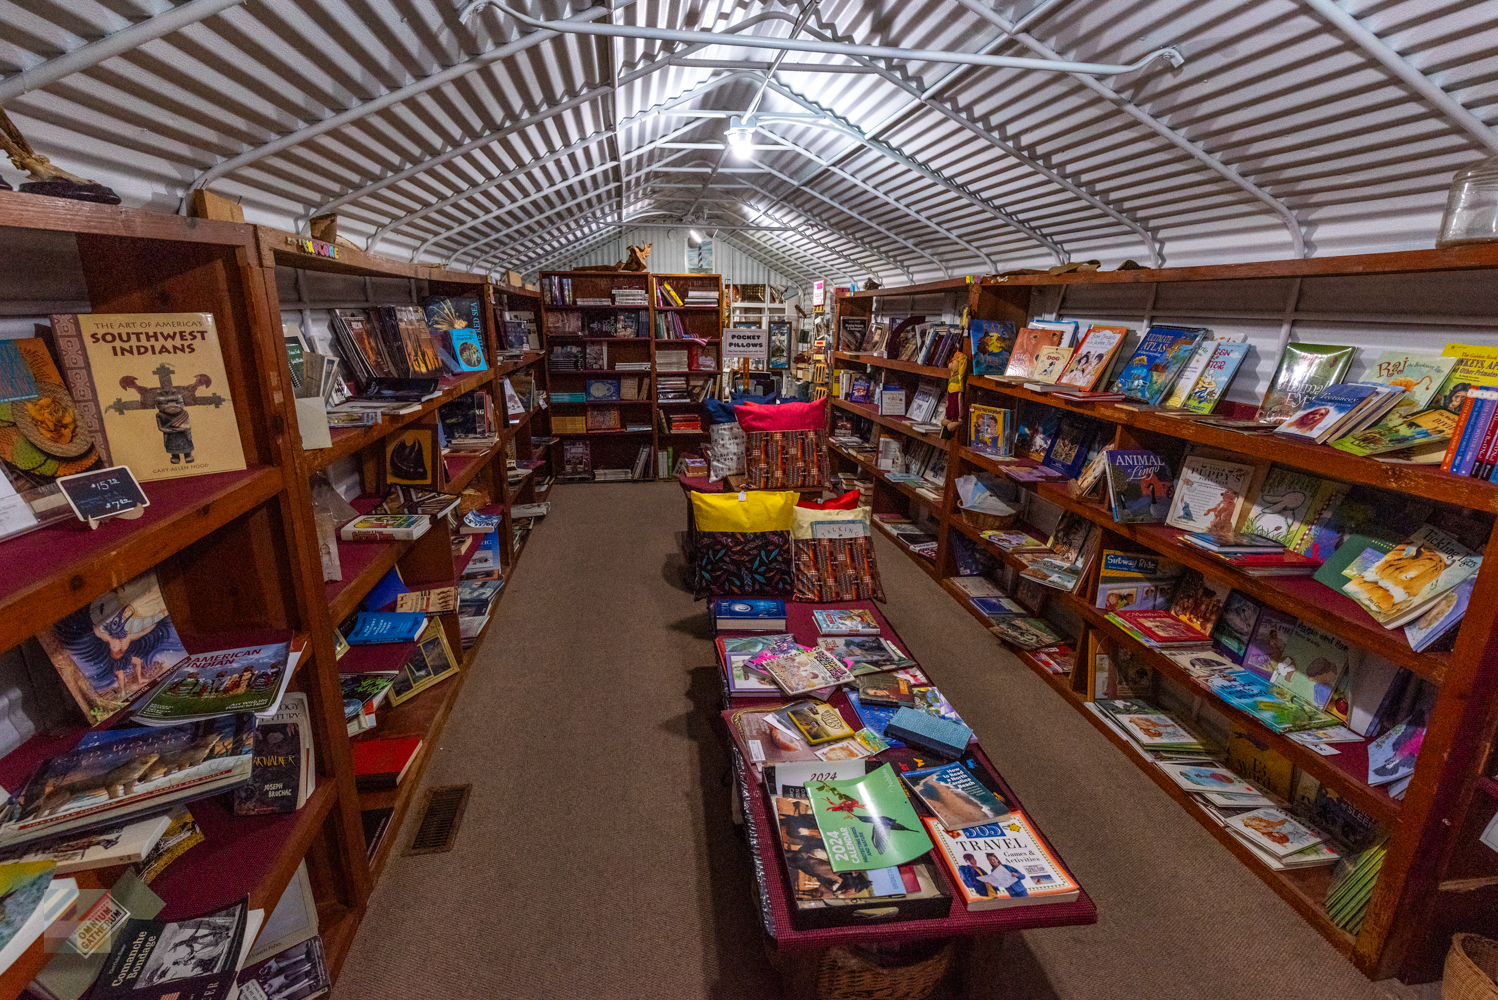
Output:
x=493 y=144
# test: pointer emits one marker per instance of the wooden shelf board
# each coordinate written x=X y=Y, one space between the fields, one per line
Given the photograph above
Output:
x=347 y=440
x=1300 y=596
x=509 y=367
x=363 y=564
x=927 y=566
x=688 y=308
x=924 y=288
x=899 y=424
x=1419 y=480
x=882 y=477
x=57 y=569
x=578 y=434
x=892 y=363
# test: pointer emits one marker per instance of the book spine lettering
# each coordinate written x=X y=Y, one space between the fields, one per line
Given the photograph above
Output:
x=1459 y=434
x=1484 y=459
x=1482 y=415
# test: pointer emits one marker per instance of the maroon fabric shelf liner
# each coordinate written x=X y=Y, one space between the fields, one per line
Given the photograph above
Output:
x=960 y=922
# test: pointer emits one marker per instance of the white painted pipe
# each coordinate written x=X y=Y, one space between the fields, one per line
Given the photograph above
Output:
x=1170 y=54
x=96 y=52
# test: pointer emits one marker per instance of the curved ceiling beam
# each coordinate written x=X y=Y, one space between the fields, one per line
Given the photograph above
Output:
x=1169 y=54
x=1477 y=130
x=365 y=108
x=1208 y=160
x=95 y=52
x=603 y=190
x=938 y=227
x=977 y=128
x=786 y=267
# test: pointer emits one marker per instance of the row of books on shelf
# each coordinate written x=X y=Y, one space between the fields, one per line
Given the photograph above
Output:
x=668 y=295
x=890 y=397
x=935 y=799
x=901 y=339
x=620 y=324
x=1407 y=406
x=577 y=463
x=1286 y=817
x=606 y=390
x=119 y=947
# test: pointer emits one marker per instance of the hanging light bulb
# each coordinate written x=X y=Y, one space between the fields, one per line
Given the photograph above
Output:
x=695 y=235
x=740 y=138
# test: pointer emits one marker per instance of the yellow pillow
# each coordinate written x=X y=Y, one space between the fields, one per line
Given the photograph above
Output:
x=805 y=517
x=759 y=510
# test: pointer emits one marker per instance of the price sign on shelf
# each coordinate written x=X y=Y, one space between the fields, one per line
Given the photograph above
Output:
x=111 y=492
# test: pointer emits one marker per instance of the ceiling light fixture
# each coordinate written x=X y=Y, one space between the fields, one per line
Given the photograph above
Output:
x=740 y=138
x=695 y=235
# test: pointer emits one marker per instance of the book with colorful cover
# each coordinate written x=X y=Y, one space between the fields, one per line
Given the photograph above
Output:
x=1420 y=430
x=989 y=430
x=997 y=607
x=960 y=794
x=1275 y=831
x=1002 y=864
x=1322 y=414
x=1198 y=600
x=1191 y=371
x=1235 y=625
x=1288 y=504
x=218 y=682
x=1140 y=486
x=1156 y=360
x=1026 y=633
x=1441 y=617
x=1137 y=566
x=1068 y=449
x=1395 y=582
x=845 y=621
x=865 y=654
x=1160 y=627
x=1303 y=371
x=1093 y=356
x=1025 y=355
x=1271 y=705
x=1147 y=726
x=1203 y=778
x=867 y=822
x=1420 y=375
x=1312 y=665
x=819 y=722
x=1392 y=756
x=884 y=689
x=992 y=341
x=1270 y=639
x=800 y=670
x=1209 y=495
x=1050 y=362
x=1215 y=378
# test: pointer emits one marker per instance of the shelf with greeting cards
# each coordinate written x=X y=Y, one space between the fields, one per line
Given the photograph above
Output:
x=1338 y=486
x=219 y=557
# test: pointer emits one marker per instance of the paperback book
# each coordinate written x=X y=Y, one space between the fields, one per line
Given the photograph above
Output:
x=866 y=654
x=867 y=822
x=1213 y=382
x=1093 y=356
x=220 y=682
x=1304 y=370
x=846 y=621
x=1156 y=360
x=1002 y=864
x=958 y=794
x=1209 y=496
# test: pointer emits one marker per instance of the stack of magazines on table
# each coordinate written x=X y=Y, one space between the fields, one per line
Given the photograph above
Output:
x=886 y=807
x=174 y=718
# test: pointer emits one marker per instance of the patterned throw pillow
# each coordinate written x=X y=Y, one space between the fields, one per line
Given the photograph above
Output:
x=786 y=445
x=742 y=543
x=725 y=450
x=834 y=568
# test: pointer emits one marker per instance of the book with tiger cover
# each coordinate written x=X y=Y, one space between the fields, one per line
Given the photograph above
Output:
x=151 y=390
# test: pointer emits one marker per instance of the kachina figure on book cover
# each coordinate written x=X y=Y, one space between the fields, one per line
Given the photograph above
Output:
x=175 y=426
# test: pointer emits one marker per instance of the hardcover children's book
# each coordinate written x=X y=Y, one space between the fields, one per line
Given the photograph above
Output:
x=1140 y=486
x=1209 y=495
x=1397 y=583
x=1313 y=664
x=1288 y=504
x=1207 y=778
x=1304 y=370
x=220 y=682
x=1268 y=642
x=1198 y=600
x=1235 y=625
x=1025 y=356
x=1275 y=831
x=1093 y=356
x=1179 y=390
x=1068 y=449
x=1050 y=362
x=1155 y=361
x=959 y=793
x=845 y=621
x=1215 y=378
x=867 y=822
x=989 y=430
x=1271 y=705
x=178 y=419
x=992 y=341
x=1002 y=864
x=1441 y=617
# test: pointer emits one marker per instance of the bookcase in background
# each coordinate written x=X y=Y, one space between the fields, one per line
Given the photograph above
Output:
x=681 y=424
x=428 y=561
x=1436 y=878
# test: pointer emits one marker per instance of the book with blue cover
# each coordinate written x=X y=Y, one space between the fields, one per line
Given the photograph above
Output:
x=1067 y=452
x=992 y=340
x=753 y=614
x=1156 y=360
x=386 y=626
x=929 y=732
x=1328 y=411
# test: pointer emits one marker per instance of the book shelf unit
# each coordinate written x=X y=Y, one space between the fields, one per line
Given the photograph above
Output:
x=1436 y=878
x=700 y=322
x=430 y=560
x=533 y=426
x=231 y=551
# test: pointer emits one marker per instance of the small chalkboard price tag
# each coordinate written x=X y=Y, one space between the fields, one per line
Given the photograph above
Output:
x=104 y=493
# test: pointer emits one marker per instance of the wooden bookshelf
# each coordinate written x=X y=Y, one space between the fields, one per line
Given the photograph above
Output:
x=1433 y=881
x=238 y=550
x=701 y=322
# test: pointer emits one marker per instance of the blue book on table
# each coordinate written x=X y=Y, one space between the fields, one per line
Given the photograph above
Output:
x=748 y=609
x=387 y=626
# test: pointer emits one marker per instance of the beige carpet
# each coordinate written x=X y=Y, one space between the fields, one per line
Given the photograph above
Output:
x=597 y=858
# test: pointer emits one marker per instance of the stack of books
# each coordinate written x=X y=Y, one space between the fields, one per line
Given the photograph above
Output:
x=671 y=361
x=631 y=297
x=1154 y=734
x=1160 y=629
x=1253 y=555
x=702 y=297
x=593 y=300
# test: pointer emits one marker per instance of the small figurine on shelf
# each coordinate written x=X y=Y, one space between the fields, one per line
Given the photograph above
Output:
x=47 y=179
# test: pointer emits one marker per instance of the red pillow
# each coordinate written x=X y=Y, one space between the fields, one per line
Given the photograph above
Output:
x=848 y=501
x=757 y=419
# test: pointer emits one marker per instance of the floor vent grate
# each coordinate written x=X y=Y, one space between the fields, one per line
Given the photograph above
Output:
x=441 y=815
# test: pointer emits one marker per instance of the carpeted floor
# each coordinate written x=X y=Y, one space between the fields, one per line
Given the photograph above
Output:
x=597 y=858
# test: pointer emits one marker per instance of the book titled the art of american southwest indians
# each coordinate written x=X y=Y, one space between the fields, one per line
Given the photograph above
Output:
x=152 y=391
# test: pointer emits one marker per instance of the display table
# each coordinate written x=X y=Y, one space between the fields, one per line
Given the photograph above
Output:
x=790 y=947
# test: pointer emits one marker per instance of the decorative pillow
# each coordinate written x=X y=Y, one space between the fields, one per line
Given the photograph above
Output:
x=742 y=543
x=720 y=411
x=768 y=399
x=785 y=445
x=725 y=450
x=834 y=568
x=848 y=501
